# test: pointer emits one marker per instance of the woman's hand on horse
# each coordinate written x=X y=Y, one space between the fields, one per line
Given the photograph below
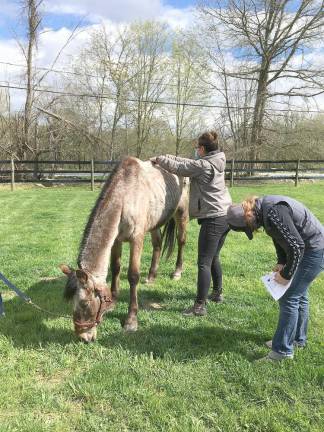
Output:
x=280 y=280
x=278 y=267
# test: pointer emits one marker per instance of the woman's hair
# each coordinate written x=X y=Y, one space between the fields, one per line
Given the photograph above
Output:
x=249 y=214
x=209 y=140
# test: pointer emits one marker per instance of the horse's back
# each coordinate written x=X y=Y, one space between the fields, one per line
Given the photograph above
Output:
x=151 y=195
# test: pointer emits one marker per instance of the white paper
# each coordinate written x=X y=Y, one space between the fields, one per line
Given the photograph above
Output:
x=275 y=289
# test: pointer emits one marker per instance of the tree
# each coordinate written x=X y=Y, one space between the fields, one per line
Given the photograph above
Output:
x=185 y=88
x=33 y=25
x=116 y=58
x=148 y=45
x=271 y=37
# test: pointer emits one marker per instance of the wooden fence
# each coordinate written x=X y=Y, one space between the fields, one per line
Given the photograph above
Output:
x=91 y=172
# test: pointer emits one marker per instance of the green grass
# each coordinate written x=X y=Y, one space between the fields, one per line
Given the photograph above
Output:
x=175 y=373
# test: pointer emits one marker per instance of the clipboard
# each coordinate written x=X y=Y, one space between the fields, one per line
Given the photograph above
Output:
x=274 y=288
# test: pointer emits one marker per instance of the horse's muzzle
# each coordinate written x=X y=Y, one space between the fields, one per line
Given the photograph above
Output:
x=88 y=336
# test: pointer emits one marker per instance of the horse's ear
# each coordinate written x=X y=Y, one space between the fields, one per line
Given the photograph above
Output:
x=66 y=269
x=82 y=276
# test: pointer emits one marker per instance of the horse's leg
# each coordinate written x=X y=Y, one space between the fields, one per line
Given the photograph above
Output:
x=181 y=218
x=115 y=269
x=156 y=243
x=136 y=247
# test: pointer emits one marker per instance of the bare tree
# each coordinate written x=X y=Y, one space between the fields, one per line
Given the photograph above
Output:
x=149 y=61
x=102 y=70
x=185 y=88
x=32 y=10
x=116 y=57
x=29 y=141
x=237 y=96
x=269 y=35
x=6 y=144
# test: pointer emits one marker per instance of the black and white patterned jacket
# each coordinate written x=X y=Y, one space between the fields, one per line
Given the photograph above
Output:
x=292 y=227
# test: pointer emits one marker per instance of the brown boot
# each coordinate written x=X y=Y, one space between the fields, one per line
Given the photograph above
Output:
x=216 y=297
x=198 y=309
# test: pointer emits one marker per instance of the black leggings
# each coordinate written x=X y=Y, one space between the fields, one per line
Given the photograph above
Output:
x=212 y=236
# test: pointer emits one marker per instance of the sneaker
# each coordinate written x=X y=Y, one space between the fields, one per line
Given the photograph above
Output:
x=274 y=356
x=269 y=344
x=198 y=309
x=216 y=297
x=296 y=344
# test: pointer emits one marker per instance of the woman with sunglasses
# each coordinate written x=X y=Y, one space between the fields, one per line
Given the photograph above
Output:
x=209 y=200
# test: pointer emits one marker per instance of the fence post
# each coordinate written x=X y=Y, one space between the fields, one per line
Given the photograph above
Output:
x=297 y=172
x=36 y=168
x=12 y=175
x=92 y=175
x=232 y=173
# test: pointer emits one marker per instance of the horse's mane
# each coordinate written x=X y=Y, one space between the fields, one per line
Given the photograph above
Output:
x=104 y=191
x=126 y=169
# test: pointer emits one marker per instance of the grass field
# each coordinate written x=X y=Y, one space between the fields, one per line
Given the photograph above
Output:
x=175 y=373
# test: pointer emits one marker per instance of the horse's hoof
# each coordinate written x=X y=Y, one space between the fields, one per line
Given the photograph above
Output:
x=131 y=327
x=149 y=281
x=176 y=276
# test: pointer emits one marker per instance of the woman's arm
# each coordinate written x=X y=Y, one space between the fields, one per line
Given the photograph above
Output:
x=286 y=235
x=184 y=167
x=281 y=254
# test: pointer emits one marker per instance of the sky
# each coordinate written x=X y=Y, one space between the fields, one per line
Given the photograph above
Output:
x=66 y=13
x=61 y=16
x=59 y=19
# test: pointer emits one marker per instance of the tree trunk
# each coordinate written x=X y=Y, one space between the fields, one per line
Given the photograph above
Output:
x=33 y=22
x=258 y=114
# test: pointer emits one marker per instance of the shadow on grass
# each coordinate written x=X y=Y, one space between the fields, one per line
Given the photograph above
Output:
x=177 y=337
x=25 y=326
x=181 y=344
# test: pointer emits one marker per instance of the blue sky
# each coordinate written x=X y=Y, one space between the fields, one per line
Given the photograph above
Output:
x=67 y=14
x=181 y=3
x=61 y=16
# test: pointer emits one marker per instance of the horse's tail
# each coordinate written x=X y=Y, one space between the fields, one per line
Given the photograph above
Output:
x=169 y=235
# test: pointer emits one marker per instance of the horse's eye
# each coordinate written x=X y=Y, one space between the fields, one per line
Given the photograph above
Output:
x=84 y=303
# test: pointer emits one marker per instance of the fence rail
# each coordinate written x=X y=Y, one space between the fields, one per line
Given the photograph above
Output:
x=92 y=171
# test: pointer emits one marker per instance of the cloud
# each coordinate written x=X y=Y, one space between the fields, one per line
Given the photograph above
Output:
x=52 y=42
x=95 y=11
x=112 y=13
x=178 y=18
x=122 y=11
x=9 y=9
x=115 y=10
x=11 y=53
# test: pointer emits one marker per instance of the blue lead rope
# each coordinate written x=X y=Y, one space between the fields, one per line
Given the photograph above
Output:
x=19 y=293
x=2 y=312
x=26 y=299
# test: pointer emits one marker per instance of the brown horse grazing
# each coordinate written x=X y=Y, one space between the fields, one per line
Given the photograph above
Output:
x=137 y=198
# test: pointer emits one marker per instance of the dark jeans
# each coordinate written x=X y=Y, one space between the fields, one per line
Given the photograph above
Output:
x=212 y=235
x=293 y=316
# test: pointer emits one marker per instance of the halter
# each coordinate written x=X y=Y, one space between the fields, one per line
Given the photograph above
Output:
x=105 y=302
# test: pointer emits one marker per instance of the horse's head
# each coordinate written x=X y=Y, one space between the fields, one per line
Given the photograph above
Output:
x=90 y=301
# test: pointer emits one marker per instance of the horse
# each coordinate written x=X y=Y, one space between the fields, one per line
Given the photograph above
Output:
x=137 y=198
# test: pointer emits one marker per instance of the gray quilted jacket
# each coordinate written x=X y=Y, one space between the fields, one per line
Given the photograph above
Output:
x=209 y=196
